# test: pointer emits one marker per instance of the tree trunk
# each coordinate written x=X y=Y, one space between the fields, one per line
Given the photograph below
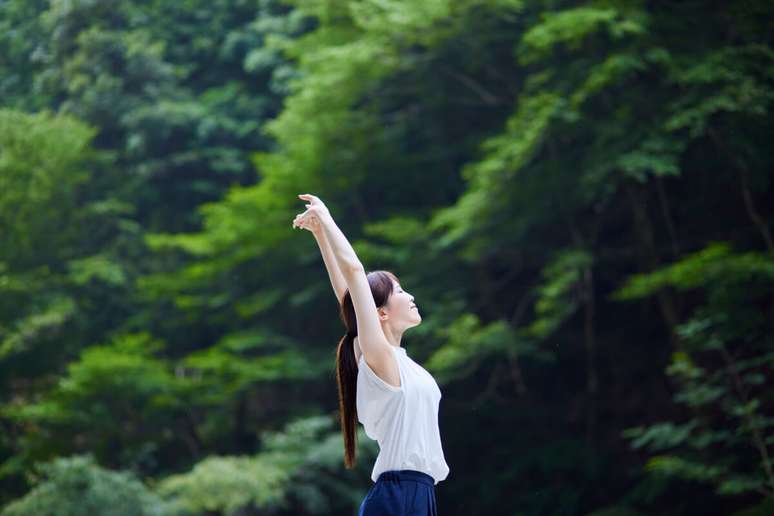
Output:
x=643 y=229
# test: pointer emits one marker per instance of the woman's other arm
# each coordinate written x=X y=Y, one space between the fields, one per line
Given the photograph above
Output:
x=334 y=273
x=312 y=223
x=338 y=282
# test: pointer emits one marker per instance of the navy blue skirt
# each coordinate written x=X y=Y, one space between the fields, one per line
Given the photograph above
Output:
x=400 y=493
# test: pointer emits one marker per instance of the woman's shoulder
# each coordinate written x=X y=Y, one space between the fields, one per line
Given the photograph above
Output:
x=359 y=352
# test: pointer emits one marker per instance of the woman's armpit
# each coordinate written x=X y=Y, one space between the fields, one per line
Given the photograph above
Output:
x=375 y=378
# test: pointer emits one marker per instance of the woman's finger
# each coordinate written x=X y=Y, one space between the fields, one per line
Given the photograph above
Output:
x=309 y=197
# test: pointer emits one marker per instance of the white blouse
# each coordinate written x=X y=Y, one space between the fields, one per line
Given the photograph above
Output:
x=403 y=420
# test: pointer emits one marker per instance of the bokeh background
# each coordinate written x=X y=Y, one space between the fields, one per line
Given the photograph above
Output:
x=578 y=195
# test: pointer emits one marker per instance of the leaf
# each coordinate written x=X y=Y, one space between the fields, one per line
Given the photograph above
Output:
x=660 y=436
x=686 y=469
x=36 y=327
x=571 y=27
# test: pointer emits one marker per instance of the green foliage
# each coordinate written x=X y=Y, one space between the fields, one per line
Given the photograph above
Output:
x=48 y=214
x=226 y=484
x=525 y=164
x=560 y=294
x=29 y=330
x=229 y=372
x=512 y=160
x=716 y=263
x=104 y=399
x=97 y=268
x=726 y=401
x=571 y=26
x=734 y=80
x=43 y=161
x=505 y=154
x=281 y=476
x=467 y=343
x=20 y=29
x=107 y=383
x=77 y=485
x=168 y=92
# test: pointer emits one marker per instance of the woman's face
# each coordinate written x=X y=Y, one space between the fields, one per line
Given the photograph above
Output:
x=401 y=308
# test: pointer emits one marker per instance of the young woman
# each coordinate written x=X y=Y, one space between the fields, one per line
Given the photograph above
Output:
x=394 y=398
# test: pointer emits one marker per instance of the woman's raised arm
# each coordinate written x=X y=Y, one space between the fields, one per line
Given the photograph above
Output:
x=371 y=339
x=338 y=282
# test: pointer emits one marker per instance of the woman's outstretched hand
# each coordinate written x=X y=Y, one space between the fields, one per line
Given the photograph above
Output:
x=315 y=215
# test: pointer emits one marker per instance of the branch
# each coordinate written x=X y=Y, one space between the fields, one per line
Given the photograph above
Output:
x=488 y=97
x=749 y=203
x=757 y=439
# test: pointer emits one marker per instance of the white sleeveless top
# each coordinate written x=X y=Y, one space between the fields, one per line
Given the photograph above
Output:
x=403 y=420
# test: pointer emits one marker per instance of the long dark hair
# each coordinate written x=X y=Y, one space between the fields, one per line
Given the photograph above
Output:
x=346 y=368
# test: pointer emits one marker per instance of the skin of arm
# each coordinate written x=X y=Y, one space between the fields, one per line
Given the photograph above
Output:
x=342 y=250
x=371 y=340
x=338 y=282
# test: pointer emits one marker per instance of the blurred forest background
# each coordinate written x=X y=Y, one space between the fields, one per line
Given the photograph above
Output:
x=577 y=193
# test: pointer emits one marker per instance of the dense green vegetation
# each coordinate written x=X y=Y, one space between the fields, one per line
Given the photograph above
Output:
x=579 y=195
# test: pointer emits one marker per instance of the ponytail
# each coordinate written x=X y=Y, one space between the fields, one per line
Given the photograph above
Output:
x=346 y=377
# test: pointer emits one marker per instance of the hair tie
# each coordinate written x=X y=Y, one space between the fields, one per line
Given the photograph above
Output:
x=350 y=334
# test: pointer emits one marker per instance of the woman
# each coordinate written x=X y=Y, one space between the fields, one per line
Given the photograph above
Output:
x=394 y=398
